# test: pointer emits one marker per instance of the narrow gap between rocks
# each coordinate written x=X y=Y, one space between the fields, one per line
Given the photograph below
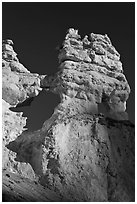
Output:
x=38 y=109
x=101 y=108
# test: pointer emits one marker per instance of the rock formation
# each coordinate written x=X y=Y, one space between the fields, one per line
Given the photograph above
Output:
x=79 y=153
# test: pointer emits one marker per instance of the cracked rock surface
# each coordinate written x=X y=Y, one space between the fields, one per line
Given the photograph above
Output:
x=79 y=153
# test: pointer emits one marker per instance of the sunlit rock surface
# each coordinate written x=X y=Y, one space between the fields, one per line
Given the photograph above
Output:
x=79 y=153
x=18 y=83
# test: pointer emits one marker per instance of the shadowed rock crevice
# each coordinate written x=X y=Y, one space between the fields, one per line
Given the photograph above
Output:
x=102 y=109
x=38 y=109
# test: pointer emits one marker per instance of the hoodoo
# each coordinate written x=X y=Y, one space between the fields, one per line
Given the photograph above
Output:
x=79 y=154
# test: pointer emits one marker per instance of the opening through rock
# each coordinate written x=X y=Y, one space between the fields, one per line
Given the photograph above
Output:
x=38 y=109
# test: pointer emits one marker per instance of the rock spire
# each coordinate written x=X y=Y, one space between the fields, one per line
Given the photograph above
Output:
x=79 y=153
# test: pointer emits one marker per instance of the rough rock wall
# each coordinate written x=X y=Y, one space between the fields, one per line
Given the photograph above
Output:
x=18 y=85
x=79 y=152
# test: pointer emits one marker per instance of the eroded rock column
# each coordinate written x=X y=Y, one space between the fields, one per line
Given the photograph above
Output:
x=90 y=73
x=79 y=153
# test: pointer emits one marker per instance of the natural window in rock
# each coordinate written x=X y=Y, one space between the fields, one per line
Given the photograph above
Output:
x=38 y=109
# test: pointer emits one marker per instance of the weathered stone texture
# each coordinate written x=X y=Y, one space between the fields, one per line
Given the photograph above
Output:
x=20 y=189
x=79 y=153
x=85 y=158
x=90 y=80
x=18 y=83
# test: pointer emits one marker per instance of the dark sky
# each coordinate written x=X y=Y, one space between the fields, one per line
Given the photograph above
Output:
x=38 y=28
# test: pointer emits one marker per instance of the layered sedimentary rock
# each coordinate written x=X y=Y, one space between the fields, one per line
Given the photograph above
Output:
x=79 y=152
x=91 y=72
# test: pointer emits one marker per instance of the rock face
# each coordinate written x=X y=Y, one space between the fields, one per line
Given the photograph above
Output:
x=18 y=85
x=21 y=189
x=80 y=153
